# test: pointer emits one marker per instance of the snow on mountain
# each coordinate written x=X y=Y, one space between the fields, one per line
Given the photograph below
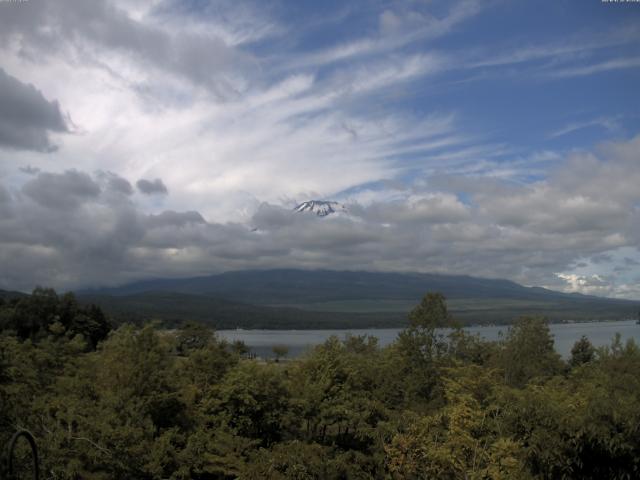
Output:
x=321 y=208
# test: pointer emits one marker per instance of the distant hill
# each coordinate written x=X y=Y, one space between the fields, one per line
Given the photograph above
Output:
x=6 y=294
x=333 y=299
x=172 y=308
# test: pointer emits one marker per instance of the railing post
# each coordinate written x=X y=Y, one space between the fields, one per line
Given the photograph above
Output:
x=11 y=447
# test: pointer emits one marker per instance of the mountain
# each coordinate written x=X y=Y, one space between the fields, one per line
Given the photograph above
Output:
x=8 y=295
x=173 y=308
x=300 y=298
x=321 y=208
x=291 y=286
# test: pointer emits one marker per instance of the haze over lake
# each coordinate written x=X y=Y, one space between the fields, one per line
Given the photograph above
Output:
x=261 y=342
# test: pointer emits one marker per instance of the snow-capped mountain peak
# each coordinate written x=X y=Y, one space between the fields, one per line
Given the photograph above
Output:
x=321 y=208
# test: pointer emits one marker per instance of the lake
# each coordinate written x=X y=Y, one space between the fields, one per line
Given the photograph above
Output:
x=261 y=342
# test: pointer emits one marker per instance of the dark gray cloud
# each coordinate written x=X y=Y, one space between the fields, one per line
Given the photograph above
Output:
x=61 y=190
x=5 y=197
x=631 y=262
x=121 y=185
x=29 y=170
x=26 y=116
x=269 y=217
x=115 y=183
x=601 y=258
x=170 y=218
x=40 y=26
x=152 y=187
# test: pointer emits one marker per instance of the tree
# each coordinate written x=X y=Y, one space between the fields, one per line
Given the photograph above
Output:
x=413 y=356
x=431 y=312
x=462 y=440
x=582 y=352
x=528 y=352
x=291 y=460
x=280 y=351
x=241 y=348
x=44 y=312
x=193 y=336
x=253 y=400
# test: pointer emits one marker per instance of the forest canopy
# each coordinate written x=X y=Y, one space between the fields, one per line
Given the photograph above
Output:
x=141 y=402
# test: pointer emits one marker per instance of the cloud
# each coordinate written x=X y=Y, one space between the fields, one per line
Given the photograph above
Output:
x=610 y=124
x=40 y=27
x=152 y=187
x=589 y=285
x=631 y=262
x=170 y=218
x=426 y=208
x=240 y=110
x=5 y=197
x=27 y=117
x=66 y=190
x=83 y=233
x=397 y=29
x=29 y=170
x=614 y=64
x=115 y=183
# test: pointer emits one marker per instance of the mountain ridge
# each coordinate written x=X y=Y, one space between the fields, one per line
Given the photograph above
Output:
x=296 y=286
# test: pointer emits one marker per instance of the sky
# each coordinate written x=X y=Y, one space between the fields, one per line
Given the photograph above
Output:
x=165 y=138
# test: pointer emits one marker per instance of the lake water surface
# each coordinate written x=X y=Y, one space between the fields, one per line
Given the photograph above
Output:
x=261 y=342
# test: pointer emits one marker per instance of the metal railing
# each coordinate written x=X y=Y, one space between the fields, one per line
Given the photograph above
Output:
x=7 y=468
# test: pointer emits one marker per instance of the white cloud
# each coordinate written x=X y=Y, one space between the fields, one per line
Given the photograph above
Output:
x=614 y=64
x=610 y=124
x=588 y=285
x=237 y=137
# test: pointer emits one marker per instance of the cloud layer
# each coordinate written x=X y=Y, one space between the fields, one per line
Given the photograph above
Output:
x=165 y=138
x=75 y=229
x=26 y=116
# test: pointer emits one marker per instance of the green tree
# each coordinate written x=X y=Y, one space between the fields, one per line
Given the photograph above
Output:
x=290 y=460
x=416 y=352
x=582 y=352
x=253 y=400
x=43 y=312
x=460 y=440
x=431 y=312
x=193 y=336
x=528 y=352
x=280 y=351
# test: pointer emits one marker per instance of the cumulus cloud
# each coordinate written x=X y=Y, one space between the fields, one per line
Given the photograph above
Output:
x=61 y=190
x=27 y=117
x=62 y=218
x=161 y=89
x=170 y=218
x=115 y=183
x=427 y=208
x=152 y=187
x=587 y=284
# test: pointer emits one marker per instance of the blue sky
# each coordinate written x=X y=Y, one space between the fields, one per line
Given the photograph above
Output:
x=490 y=138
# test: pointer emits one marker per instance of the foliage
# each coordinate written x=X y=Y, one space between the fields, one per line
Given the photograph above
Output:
x=152 y=404
x=527 y=352
x=44 y=312
x=582 y=352
x=280 y=351
x=430 y=313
